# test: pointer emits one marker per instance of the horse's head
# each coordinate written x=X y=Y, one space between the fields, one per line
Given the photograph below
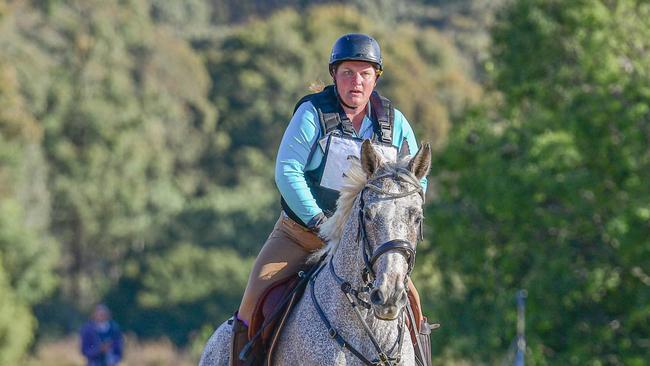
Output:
x=390 y=221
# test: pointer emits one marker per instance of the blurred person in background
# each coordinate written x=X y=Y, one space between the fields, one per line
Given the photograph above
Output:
x=101 y=339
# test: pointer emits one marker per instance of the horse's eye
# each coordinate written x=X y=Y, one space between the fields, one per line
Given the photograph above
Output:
x=418 y=219
x=367 y=215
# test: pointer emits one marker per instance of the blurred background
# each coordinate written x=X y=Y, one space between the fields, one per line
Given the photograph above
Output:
x=138 y=139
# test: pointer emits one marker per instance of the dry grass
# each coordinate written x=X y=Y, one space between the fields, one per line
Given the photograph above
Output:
x=65 y=352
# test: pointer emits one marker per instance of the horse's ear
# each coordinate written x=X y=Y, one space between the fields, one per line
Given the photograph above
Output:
x=404 y=151
x=369 y=159
x=421 y=162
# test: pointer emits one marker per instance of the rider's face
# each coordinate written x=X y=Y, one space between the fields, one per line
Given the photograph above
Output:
x=355 y=81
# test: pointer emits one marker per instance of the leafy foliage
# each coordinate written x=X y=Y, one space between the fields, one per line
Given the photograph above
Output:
x=27 y=252
x=110 y=172
x=549 y=195
x=16 y=323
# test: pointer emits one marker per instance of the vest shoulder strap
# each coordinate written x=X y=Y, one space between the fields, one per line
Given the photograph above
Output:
x=383 y=113
x=330 y=113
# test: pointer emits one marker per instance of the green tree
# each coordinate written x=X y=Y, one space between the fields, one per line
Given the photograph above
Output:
x=27 y=252
x=185 y=288
x=121 y=103
x=545 y=192
x=128 y=136
x=16 y=323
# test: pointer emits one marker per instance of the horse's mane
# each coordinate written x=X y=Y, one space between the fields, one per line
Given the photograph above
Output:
x=353 y=183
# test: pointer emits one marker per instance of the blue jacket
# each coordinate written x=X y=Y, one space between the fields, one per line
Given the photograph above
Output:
x=91 y=342
x=300 y=136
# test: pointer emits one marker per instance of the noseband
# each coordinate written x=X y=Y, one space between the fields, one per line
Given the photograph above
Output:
x=401 y=246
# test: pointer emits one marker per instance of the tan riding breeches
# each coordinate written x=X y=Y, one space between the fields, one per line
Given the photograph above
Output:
x=284 y=252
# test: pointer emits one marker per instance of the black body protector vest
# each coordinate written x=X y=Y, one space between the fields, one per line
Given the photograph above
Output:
x=334 y=121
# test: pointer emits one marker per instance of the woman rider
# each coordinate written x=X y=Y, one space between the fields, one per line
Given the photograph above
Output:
x=351 y=108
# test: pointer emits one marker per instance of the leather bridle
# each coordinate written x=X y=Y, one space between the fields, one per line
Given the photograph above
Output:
x=401 y=246
x=370 y=257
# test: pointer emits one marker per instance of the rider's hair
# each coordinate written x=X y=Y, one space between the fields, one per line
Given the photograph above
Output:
x=317 y=86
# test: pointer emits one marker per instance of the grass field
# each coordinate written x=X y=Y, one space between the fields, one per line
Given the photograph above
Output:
x=65 y=352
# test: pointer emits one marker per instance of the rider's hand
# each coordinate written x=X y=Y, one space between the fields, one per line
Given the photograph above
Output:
x=315 y=224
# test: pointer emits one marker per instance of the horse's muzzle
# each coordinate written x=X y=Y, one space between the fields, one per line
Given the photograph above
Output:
x=387 y=307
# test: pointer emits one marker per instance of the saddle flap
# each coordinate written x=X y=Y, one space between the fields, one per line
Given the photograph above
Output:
x=272 y=310
x=267 y=304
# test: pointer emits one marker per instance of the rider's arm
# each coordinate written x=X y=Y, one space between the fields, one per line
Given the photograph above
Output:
x=298 y=140
x=402 y=131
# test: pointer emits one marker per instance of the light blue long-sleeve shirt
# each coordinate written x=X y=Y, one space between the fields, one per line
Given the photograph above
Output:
x=299 y=138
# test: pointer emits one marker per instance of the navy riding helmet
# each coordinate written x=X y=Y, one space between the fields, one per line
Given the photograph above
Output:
x=356 y=47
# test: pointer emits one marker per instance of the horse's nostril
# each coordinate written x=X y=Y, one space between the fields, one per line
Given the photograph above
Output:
x=376 y=297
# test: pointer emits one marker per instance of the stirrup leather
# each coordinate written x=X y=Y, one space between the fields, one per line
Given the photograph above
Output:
x=239 y=340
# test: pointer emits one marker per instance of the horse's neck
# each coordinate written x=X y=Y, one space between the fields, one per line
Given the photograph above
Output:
x=347 y=260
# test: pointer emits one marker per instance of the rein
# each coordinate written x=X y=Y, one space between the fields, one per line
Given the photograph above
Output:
x=370 y=257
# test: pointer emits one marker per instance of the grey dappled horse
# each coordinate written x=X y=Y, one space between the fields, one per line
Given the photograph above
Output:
x=372 y=235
